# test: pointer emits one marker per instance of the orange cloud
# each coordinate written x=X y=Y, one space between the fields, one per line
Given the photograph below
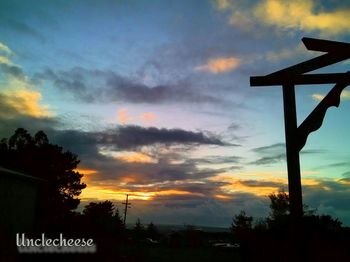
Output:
x=100 y=193
x=86 y=171
x=135 y=157
x=219 y=65
x=124 y=116
x=148 y=117
x=259 y=187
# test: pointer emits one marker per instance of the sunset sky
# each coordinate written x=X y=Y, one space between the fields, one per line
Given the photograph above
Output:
x=154 y=97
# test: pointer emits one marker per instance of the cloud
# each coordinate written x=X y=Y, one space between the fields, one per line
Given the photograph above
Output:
x=222 y=4
x=285 y=53
x=22 y=28
x=278 y=147
x=23 y=102
x=345 y=95
x=275 y=153
x=5 y=60
x=107 y=86
x=134 y=136
x=17 y=96
x=124 y=116
x=219 y=65
x=4 y=48
x=135 y=157
x=10 y=70
x=305 y=15
x=148 y=117
x=270 y=159
x=5 y=53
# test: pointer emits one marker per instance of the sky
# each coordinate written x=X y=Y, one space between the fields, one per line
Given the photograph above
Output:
x=154 y=98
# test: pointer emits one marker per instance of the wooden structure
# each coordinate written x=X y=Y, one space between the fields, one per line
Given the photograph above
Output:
x=295 y=75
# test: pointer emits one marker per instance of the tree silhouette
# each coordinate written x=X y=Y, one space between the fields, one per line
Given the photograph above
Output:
x=99 y=210
x=102 y=218
x=35 y=156
x=139 y=229
x=279 y=204
x=152 y=231
x=241 y=222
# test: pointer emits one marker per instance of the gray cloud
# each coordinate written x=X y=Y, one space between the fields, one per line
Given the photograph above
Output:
x=270 y=159
x=131 y=137
x=12 y=70
x=108 y=86
x=23 y=28
x=275 y=153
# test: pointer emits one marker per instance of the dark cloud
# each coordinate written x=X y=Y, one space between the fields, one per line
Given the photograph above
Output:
x=329 y=197
x=278 y=147
x=257 y=183
x=217 y=160
x=131 y=137
x=275 y=153
x=134 y=136
x=32 y=124
x=270 y=159
x=270 y=154
x=333 y=165
x=23 y=28
x=107 y=86
x=12 y=70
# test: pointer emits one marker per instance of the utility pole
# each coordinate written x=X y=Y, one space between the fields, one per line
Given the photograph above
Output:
x=127 y=205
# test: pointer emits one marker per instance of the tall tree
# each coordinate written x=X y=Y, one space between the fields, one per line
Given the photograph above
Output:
x=35 y=156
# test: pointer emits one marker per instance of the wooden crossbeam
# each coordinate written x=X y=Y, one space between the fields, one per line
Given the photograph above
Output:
x=325 y=45
x=295 y=75
x=308 y=79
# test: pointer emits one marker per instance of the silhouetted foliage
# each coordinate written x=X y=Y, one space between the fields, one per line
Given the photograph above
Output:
x=102 y=218
x=35 y=156
x=279 y=205
x=99 y=210
x=241 y=222
x=139 y=229
x=152 y=231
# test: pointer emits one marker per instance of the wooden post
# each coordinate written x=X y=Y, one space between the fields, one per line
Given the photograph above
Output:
x=293 y=164
x=127 y=204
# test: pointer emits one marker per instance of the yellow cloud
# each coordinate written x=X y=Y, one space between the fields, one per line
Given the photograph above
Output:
x=222 y=4
x=101 y=193
x=260 y=187
x=135 y=157
x=5 y=60
x=302 y=14
x=219 y=65
x=86 y=171
x=345 y=95
x=24 y=102
x=5 y=49
x=306 y=15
